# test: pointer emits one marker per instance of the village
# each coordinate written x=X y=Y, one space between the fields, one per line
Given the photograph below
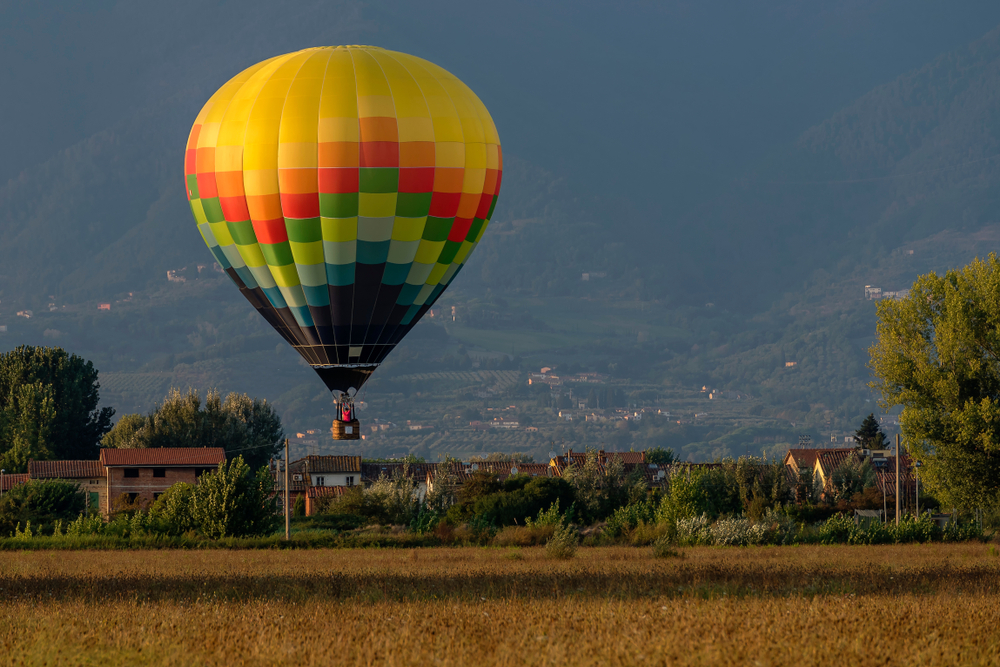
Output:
x=125 y=479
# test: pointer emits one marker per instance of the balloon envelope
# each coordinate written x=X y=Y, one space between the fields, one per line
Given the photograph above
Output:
x=342 y=189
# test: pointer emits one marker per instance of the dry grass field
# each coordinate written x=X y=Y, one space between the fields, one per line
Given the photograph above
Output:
x=902 y=605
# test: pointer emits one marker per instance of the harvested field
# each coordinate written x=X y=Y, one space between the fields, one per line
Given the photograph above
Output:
x=921 y=604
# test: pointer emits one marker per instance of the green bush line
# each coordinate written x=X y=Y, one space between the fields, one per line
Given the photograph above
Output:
x=697 y=531
x=302 y=540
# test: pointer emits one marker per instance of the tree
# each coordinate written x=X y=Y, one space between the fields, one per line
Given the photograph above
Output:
x=238 y=424
x=870 y=435
x=851 y=477
x=660 y=456
x=172 y=510
x=233 y=501
x=602 y=488
x=938 y=356
x=48 y=407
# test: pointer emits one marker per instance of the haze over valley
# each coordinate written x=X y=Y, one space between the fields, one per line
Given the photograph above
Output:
x=689 y=217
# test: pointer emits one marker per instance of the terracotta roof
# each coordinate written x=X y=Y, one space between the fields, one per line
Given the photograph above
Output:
x=65 y=469
x=7 y=482
x=831 y=459
x=333 y=463
x=326 y=491
x=806 y=458
x=175 y=457
x=886 y=481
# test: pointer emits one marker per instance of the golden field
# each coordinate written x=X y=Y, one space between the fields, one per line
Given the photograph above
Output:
x=823 y=605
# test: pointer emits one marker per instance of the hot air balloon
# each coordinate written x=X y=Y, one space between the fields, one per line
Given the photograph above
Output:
x=342 y=189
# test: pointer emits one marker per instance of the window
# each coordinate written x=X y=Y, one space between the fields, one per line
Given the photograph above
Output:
x=320 y=481
x=93 y=481
x=131 y=472
x=159 y=472
x=350 y=480
x=132 y=497
x=156 y=496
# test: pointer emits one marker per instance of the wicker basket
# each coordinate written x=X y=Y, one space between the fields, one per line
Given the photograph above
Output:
x=346 y=430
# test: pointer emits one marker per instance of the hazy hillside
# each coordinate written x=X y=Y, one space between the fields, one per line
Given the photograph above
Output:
x=728 y=181
x=912 y=158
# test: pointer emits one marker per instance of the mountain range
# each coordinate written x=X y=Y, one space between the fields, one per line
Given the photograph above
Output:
x=736 y=174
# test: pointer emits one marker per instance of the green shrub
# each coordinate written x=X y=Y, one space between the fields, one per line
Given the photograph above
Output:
x=809 y=513
x=962 y=532
x=627 y=518
x=338 y=522
x=43 y=502
x=299 y=507
x=836 y=530
x=550 y=517
x=666 y=547
x=232 y=501
x=563 y=543
x=694 y=530
x=524 y=497
x=171 y=513
x=388 y=501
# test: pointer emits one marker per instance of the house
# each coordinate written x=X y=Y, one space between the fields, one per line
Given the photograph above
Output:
x=104 y=306
x=315 y=493
x=90 y=476
x=8 y=482
x=456 y=477
x=631 y=461
x=826 y=461
x=332 y=470
x=657 y=476
x=142 y=475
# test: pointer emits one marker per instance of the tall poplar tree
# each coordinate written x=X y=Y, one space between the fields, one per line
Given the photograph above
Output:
x=938 y=356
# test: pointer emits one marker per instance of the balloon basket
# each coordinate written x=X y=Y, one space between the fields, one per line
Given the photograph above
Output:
x=346 y=430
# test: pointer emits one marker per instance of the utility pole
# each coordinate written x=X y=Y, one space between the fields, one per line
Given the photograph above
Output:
x=288 y=517
x=897 y=479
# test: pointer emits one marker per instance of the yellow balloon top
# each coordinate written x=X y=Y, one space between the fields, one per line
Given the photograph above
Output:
x=345 y=186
